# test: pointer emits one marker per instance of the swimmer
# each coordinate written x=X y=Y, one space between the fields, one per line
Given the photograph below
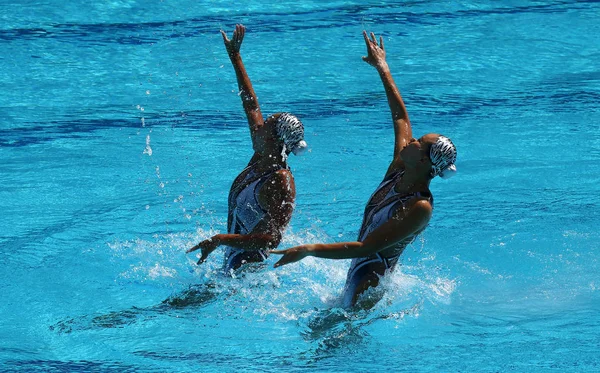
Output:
x=262 y=197
x=401 y=206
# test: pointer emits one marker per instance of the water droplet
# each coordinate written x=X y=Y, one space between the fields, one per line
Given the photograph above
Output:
x=148 y=149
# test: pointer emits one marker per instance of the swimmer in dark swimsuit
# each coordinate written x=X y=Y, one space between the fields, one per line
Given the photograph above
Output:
x=400 y=207
x=261 y=199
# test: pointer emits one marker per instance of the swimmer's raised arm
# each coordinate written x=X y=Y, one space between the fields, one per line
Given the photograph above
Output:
x=388 y=234
x=376 y=58
x=249 y=99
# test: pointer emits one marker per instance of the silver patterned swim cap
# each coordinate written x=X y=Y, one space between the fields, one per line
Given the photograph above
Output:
x=443 y=156
x=291 y=130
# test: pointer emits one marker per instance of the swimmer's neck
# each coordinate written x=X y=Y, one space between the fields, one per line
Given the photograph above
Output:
x=268 y=159
x=413 y=180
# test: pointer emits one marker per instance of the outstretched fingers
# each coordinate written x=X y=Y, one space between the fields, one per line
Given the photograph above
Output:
x=366 y=37
x=281 y=262
x=192 y=249
x=224 y=35
x=375 y=51
x=284 y=259
x=234 y=44
x=202 y=259
x=236 y=34
x=369 y=47
x=291 y=255
x=371 y=40
x=239 y=33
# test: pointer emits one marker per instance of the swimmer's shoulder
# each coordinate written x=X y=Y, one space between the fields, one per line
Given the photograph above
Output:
x=279 y=185
x=282 y=179
x=420 y=209
x=396 y=166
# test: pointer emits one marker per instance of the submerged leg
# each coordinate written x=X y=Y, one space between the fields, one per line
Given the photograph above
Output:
x=235 y=258
x=194 y=296
x=360 y=279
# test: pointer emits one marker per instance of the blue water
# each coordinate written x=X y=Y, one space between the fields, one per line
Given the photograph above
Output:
x=121 y=131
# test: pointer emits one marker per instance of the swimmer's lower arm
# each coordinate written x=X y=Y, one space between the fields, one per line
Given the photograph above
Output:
x=394 y=97
x=340 y=250
x=248 y=242
x=245 y=86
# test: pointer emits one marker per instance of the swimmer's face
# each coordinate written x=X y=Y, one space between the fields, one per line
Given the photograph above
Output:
x=417 y=150
x=270 y=125
x=267 y=130
x=270 y=130
x=272 y=119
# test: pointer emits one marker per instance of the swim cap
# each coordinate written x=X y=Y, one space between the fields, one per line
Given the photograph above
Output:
x=443 y=156
x=291 y=130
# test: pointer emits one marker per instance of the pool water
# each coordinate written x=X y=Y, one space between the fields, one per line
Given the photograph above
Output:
x=121 y=131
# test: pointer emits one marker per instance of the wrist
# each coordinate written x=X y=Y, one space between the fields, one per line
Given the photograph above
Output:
x=234 y=55
x=382 y=67
x=217 y=239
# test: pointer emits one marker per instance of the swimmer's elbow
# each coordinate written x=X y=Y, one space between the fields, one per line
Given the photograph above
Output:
x=260 y=241
x=367 y=248
x=271 y=241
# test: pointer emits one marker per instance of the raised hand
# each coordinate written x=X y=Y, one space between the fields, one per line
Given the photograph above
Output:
x=207 y=247
x=290 y=255
x=233 y=46
x=375 y=52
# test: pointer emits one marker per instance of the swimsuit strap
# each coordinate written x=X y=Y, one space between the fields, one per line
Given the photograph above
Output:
x=248 y=190
x=250 y=178
x=389 y=179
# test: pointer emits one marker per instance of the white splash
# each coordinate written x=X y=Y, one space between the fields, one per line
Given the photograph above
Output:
x=161 y=271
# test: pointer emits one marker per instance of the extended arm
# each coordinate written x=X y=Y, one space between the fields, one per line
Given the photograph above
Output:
x=277 y=197
x=393 y=231
x=376 y=58
x=240 y=241
x=249 y=100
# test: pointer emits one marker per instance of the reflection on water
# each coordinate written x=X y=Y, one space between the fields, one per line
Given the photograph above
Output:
x=330 y=330
x=196 y=296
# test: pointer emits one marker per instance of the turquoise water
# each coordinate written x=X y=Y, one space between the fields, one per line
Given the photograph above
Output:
x=121 y=131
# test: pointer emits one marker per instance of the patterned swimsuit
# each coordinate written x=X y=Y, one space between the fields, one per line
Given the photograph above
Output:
x=377 y=213
x=245 y=212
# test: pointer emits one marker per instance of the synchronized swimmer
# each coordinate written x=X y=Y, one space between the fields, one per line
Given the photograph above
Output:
x=401 y=206
x=396 y=213
x=262 y=196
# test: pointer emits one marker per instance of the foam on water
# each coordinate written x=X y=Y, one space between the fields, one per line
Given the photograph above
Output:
x=296 y=292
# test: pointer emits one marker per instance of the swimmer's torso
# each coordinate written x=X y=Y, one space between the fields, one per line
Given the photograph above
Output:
x=384 y=203
x=245 y=212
